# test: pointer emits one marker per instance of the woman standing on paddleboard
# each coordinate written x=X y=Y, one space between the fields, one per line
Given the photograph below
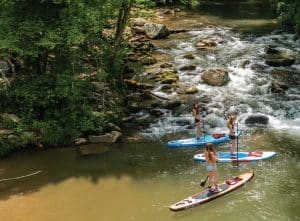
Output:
x=211 y=157
x=232 y=136
x=197 y=115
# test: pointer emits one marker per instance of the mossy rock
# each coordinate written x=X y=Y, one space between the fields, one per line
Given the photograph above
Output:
x=169 y=77
x=148 y=60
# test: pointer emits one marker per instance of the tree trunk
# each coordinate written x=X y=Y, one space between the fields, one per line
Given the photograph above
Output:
x=123 y=17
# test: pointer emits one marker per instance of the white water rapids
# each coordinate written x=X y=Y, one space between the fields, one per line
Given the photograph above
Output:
x=248 y=91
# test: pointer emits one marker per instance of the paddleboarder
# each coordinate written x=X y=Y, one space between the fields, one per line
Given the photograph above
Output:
x=196 y=111
x=211 y=157
x=232 y=136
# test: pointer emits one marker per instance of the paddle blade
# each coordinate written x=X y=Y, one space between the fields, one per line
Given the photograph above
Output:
x=203 y=182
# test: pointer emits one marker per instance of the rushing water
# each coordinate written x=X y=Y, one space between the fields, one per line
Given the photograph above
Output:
x=139 y=181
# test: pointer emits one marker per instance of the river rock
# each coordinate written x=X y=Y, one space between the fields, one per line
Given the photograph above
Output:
x=190 y=67
x=166 y=65
x=278 y=87
x=280 y=60
x=112 y=137
x=206 y=44
x=156 y=31
x=144 y=120
x=277 y=62
x=137 y=31
x=10 y=117
x=271 y=49
x=215 y=77
x=187 y=90
x=6 y=132
x=189 y=56
x=81 y=141
x=257 y=119
x=112 y=127
x=139 y=21
x=12 y=138
x=168 y=76
x=191 y=90
x=172 y=104
x=147 y=60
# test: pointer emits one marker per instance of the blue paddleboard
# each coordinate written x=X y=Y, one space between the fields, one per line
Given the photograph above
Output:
x=225 y=157
x=194 y=142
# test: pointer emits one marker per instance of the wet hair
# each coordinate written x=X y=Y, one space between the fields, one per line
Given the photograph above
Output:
x=197 y=108
x=230 y=121
x=208 y=149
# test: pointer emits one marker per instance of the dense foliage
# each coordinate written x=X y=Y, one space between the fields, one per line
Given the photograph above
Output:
x=289 y=14
x=57 y=40
x=52 y=43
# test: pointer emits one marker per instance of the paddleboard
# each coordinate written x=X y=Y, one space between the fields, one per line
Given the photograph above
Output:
x=207 y=195
x=194 y=142
x=225 y=157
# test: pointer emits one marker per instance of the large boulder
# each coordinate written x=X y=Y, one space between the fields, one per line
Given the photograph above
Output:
x=257 y=119
x=156 y=31
x=110 y=138
x=215 y=77
x=277 y=62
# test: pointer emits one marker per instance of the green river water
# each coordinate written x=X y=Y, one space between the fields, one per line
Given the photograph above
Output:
x=139 y=181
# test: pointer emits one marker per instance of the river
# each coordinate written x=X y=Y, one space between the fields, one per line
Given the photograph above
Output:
x=139 y=181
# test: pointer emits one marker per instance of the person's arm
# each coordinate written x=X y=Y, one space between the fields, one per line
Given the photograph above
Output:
x=215 y=157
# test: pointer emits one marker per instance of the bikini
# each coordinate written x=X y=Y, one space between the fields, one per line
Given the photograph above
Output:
x=231 y=136
x=211 y=168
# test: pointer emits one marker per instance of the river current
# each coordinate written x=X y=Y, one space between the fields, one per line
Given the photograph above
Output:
x=139 y=181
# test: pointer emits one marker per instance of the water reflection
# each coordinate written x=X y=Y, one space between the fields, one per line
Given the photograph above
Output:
x=237 y=9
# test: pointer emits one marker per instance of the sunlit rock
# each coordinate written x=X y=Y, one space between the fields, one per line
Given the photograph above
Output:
x=112 y=137
x=215 y=77
x=156 y=31
x=168 y=76
x=206 y=44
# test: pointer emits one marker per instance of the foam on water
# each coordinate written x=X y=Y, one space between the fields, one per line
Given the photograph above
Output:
x=248 y=91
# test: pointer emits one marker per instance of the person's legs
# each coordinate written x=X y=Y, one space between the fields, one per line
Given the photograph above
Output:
x=215 y=178
x=210 y=177
x=233 y=146
x=198 y=129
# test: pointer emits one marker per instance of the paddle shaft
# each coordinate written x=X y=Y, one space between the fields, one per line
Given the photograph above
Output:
x=204 y=182
x=237 y=143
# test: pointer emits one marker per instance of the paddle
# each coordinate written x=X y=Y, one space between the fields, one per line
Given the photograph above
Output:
x=203 y=132
x=204 y=182
x=237 y=143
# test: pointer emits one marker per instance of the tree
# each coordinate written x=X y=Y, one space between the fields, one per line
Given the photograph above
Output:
x=289 y=14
